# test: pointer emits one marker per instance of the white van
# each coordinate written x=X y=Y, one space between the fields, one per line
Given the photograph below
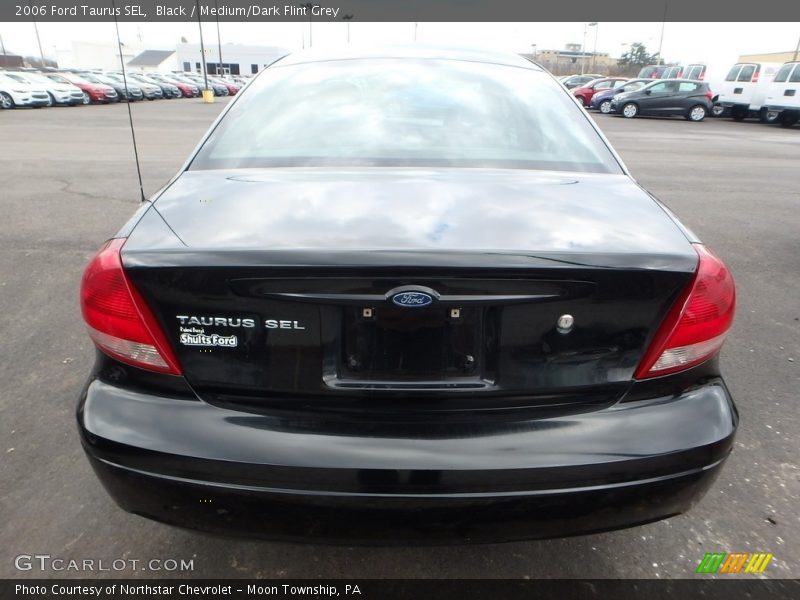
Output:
x=744 y=90
x=783 y=95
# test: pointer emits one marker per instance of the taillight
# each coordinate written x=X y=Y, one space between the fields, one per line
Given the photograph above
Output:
x=695 y=327
x=119 y=321
x=710 y=95
x=754 y=79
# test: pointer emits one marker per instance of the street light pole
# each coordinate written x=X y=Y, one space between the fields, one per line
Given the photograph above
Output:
x=583 y=51
x=594 y=52
x=206 y=97
x=347 y=18
x=220 y=70
x=796 y=50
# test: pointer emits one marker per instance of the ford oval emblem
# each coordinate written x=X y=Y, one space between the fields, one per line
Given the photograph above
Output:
x=412 y=299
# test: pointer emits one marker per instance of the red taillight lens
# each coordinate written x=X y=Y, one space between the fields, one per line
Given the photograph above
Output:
x=710 y=95
x=119 y=321
x=696 y=325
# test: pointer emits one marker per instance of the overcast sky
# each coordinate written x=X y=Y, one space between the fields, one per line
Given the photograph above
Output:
x=710 y=43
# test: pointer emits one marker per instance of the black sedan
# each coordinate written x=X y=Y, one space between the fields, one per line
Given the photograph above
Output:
x=406 y=294
x=665 y=98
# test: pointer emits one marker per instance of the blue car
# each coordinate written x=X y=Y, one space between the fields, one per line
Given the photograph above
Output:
x=602 y=100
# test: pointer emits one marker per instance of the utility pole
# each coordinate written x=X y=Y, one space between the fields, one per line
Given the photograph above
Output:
x=796 y=50
x=663 y=24
x=4 y=48
x=220 y=70
x=415 y=31
x=38 y=41
x=309 y=6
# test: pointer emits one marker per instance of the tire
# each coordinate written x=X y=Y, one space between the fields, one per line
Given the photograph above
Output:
x=697 y=113
x=87 y=99
x=52 y=101
x=630 y=110
x=582 y=100
x=768 y=117
x=787 y=119
x=605 y=107
x=738 y=113
x=717 y=110
x=6 y=101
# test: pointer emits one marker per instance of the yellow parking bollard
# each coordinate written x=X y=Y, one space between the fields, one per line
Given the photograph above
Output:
x=208 y=96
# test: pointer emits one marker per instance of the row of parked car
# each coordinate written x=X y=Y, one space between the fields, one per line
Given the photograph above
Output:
x=70 y=87
x=767 y=91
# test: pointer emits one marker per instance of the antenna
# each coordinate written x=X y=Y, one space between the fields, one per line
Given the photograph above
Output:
x=130 y=115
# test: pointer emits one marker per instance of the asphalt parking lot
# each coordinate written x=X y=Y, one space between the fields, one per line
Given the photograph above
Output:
x=68 y=181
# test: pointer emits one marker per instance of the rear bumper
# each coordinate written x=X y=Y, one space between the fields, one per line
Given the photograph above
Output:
x=779 y=108
x=191 y=464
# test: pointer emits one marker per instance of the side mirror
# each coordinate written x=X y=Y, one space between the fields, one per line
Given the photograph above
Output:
x=648 y=92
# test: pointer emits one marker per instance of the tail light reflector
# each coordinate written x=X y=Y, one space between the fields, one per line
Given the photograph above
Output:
x=695 y=327
x=119 y=321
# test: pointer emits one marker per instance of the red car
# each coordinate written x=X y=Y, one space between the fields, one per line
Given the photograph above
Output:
x=96 y=92
x=232 y=87
x=188 y=90
x=585 y=92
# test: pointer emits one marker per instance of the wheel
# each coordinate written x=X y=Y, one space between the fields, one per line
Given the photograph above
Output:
x=51 y=99
x=738 y=113
x=787 y=119
x=6 y=101
x=87 y=99
x=605 y=107
x=581 y=99
x=630 y=110
x=768 y=116
x=697 y=113
x=717 y=110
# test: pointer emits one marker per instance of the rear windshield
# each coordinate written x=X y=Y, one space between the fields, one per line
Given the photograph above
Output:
x=401 y=112
x=733 y=73
x=694 y=72
x=746 y=74
x=783 y=74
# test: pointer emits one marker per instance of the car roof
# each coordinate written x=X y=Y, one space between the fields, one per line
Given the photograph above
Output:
x=678 y=79
x=416 y=51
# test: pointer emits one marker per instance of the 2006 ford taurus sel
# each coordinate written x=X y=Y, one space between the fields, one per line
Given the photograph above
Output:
x=406 y=295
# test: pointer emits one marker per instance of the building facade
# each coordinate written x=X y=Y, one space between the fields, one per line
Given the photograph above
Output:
x=573 y=59
x=770 y=57
x=237 y=59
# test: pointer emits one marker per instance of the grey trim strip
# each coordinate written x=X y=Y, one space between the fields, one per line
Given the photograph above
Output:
x=506 y=494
